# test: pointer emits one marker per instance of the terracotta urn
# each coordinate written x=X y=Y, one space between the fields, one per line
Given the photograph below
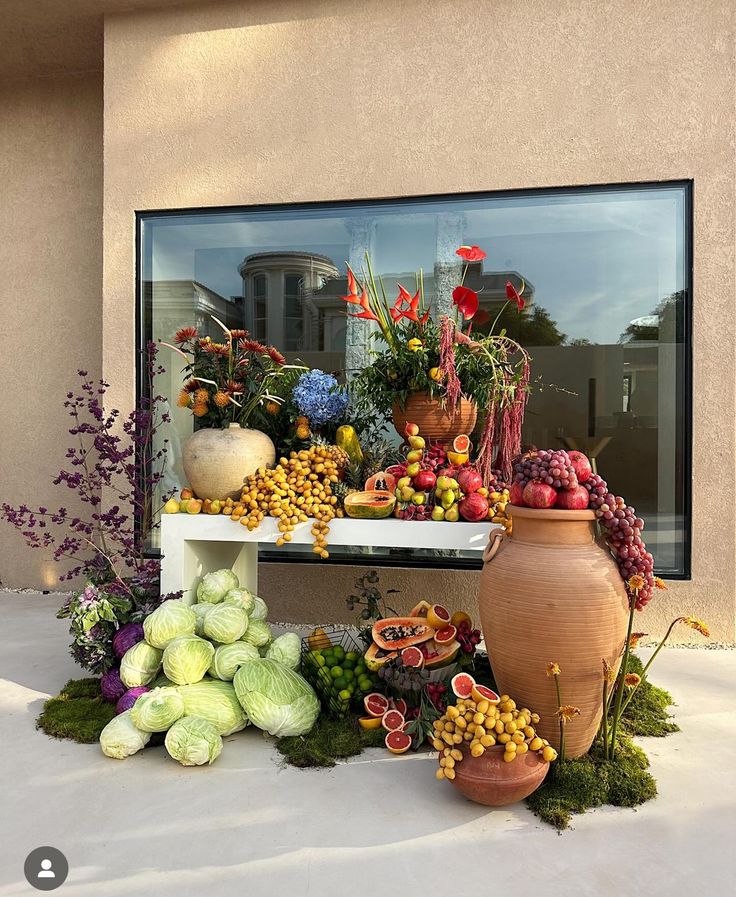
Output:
x=435 y=422
x=550 y=593
x=216 y=461
x=490 y=781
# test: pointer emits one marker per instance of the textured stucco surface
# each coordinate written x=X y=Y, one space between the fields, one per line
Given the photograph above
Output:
x=290 y=101
x=51 y=263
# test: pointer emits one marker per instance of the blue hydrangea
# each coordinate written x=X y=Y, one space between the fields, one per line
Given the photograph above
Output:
x=319 y=398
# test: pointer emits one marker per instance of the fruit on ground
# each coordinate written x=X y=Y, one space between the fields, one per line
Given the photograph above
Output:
x=425 y=480
x=516 y=494
x=383 y=481
x=461 y=443
x=460 y=617
x=420 y=610
x=369 y=505
x=376 y=704
x=462 y=685
x=483 y=693
x=398 y=742
x=413 y=657
x=392 y=720
x=469 y=480
x=581 y=465
x=539 y=495
x=474 y=507
x=446 y=635
x=395 y=633
x=438 y=616
x=575 y=499
x=369 y=722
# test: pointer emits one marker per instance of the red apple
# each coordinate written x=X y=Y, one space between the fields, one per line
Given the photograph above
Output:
x=411 y=429
x=539 y=495
x=581 y=465
x=473 y=507
x=424 y=480
x=469 y=480
x=516 y=494
x=575 y=499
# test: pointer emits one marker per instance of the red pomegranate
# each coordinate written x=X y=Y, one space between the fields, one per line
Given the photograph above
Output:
x=539 y=495
x=424 y=480
x=469 y=480
x=516 y=494
x=581 y=465
x=473 y=507
x=575 y=499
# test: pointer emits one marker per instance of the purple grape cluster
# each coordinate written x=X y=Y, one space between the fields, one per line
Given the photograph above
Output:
x=622 y=530
x=552 y=467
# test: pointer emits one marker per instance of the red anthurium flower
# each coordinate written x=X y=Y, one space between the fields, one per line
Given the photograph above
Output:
x=470 y=253
x=512 y=295
x=483 y=317
x=466 y=301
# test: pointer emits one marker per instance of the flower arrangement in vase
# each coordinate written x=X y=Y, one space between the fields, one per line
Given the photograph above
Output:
x=439 y=374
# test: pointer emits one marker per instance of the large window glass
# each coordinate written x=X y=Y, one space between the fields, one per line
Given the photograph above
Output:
x=607 y=277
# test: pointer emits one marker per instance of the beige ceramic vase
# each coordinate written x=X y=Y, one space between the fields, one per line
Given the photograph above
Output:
x=550 y=593
x=435 y=422
x=216 y=461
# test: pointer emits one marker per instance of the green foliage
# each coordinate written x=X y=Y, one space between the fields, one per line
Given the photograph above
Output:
x=78 y=712
x=532 y=326
x=330 y=740
x=647 y=714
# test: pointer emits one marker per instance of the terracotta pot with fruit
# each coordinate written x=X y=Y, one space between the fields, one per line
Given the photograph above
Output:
x=436 y=422
x=550 y=592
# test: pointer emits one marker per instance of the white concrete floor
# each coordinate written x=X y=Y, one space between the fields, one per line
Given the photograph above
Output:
x=146 y=826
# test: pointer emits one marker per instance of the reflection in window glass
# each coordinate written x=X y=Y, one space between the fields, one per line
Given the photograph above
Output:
x=606 y=274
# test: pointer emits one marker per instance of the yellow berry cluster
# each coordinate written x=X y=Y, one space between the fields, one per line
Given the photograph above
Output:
x=477 y=725
x=497 y=501
x=296 y=489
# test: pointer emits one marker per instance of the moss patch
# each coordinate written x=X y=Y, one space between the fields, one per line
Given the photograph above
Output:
x=648 y=712
x=77 y=712
x=329 y=741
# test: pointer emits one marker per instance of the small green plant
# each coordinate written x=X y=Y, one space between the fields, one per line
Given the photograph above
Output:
x=372 y=601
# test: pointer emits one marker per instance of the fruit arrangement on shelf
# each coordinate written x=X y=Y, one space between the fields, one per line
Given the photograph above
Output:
x=334 y=665
x=549 y=478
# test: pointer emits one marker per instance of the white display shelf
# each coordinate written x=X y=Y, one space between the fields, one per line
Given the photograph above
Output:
x=192 y=545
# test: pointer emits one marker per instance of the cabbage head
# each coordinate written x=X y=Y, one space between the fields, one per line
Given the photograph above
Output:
x=170 y=620
x=215 y=586
x=187 y=659
x=162 y=681
x=260 y=609
x=243 y=598
x=193 y=741
x=229 y=657
x=276 y=698
x=216 y=702
x=258 y=633
x=225 y=623
x=200 y=612
x=287 y=649
x=120 y=738
x=157 y=710
x=140 y=664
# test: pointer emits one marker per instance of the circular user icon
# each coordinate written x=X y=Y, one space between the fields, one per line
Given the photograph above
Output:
x=46 y=868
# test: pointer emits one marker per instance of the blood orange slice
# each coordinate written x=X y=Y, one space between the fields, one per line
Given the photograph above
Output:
x=398 y=742
x=463 y=685
x=483 y=693
x=445 y=635
x=400 y=705
x=393 y=720
x=369 y=722
x=412 y=657
x=376 y=704
x=438 y=616
x=462 y=444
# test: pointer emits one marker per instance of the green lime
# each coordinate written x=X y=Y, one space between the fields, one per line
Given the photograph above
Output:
x=340 y=683
x=336 y=672
x=352 y=655
x=365 y=684
x=348 y=674
x=320 y=660
x=360 y=669
x=348 y=663
x=344 y=695
x=324 y=677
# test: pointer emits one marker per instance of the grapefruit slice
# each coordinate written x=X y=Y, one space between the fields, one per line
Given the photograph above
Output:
x=376 y=704
x=398 y=742
x=400 y=705
x=445 y=635
x=483 y=693
x=461 y=617
x=462 y=444
x=438 y=616
x=369 y=722
x=413 y=657
x=463 y=685
x=393 y=720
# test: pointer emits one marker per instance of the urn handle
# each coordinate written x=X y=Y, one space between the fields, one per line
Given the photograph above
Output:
x=495 y=539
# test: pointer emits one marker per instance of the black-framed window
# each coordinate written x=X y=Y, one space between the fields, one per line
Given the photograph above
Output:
x=608 y=278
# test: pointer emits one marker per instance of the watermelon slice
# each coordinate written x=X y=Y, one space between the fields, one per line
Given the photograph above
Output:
x=376 y=704
x=463 y=685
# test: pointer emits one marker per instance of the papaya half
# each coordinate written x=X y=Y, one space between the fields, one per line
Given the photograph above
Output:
x=395 y=633
x=369 y=505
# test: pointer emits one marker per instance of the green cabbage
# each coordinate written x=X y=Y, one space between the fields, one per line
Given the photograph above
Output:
x=260 y=609
x=216 y=702
x=215 y=586
x=162 y=681
x=170 y=620
x=276 y=699
x=229 y=657
x=258 y=633
x=157 y=710
x=200 y=612
x=140 y=664
x=187 y=659
x=225 y=623
x=287 y=649
x=193 y=741
x=243 y=598
x=120 y=738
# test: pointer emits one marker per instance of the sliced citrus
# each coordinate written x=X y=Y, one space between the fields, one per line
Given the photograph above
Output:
x=483 y=693
x=458 y=458
x=400 y=705
x=438 y=616
x=462 y=685
x=445 y=635
x=413 y=657
x=369 y=722
x=398 y=742
x=393 y=720
x=461 y=617
x=462 y=444
x=376 y=704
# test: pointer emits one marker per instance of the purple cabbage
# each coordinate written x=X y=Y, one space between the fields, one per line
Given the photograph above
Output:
x=130 y=697
x=127 y=636
x=111 y=685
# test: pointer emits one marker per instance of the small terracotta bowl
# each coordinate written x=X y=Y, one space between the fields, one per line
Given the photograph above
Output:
x=488 y=780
